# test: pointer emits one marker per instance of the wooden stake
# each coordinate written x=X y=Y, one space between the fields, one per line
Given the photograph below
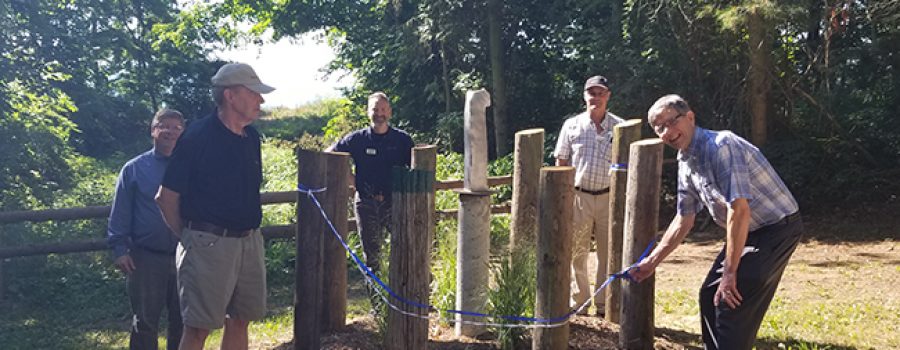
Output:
x=412 y=235
x=528 y=159
x=312 y=173
x=641 y=220
x=334 y=286
x=623 y=135
x=554 y=254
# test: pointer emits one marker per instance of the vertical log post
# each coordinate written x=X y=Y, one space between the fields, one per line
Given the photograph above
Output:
x=334 y=280
x=623 y=135
x=554 y=254
x=528 y=158
x=312 y=173
x=411 y=241
x=424 y=157
x=641 y=220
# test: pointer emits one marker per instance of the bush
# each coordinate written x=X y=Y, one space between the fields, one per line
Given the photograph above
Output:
x=514 y=295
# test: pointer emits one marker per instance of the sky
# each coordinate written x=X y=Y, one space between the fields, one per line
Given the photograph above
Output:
x=293 y=68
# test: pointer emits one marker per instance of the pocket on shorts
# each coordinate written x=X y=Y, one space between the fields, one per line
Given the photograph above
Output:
x=199 y=240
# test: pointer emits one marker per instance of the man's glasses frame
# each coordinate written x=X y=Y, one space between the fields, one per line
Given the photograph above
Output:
x=661 y=128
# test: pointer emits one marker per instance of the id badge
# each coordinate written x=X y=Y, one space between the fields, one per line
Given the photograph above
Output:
x=371 y=151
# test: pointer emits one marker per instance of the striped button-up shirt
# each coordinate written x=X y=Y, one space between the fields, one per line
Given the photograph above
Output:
x=719 y=167
x=590 y=152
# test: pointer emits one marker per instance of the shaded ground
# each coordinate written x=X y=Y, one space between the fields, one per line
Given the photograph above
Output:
x=829 y=269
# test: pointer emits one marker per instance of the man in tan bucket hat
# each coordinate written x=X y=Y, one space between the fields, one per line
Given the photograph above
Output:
x=209 y=197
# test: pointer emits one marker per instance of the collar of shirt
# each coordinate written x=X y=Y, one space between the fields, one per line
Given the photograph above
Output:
x=697 y=142
x=158 y=155
x=585 y=121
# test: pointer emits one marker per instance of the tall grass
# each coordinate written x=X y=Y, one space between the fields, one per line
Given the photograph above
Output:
x=514 y=295
x=443 y=268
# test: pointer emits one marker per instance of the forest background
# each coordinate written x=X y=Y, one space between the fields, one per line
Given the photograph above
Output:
x=814 y=83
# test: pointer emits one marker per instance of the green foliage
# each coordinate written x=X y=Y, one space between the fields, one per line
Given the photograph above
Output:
x=309 y=119
x=36 y=154
x=514 y=295
x=346 y=118
x=443 y=268
x=833 y=91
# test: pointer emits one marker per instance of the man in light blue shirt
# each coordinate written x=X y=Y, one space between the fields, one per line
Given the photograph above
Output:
x=142 y=244
x=744 y=195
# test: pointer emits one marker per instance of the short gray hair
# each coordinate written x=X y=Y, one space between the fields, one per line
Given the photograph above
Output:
x=166 y=113
x=378 y=95
x=672 y=101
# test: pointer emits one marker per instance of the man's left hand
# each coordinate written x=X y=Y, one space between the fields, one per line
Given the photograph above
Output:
x=728 y=291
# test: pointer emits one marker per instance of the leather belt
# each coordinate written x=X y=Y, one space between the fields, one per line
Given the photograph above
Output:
x=597 y=192
x=788 y=219
x=217 y=230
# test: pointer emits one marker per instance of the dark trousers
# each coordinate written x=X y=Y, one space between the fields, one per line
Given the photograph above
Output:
x=768 y=250
x=152 y=287
x=373 y=219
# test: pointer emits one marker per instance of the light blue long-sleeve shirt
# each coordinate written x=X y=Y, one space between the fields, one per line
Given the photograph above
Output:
x=135 y=219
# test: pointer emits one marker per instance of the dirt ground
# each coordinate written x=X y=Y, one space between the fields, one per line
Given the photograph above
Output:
x=818 y=269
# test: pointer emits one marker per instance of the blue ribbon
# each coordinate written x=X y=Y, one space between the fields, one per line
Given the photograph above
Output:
x=624 y=274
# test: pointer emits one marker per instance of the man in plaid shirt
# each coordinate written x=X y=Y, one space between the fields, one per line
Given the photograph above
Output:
x=744 y=195
x=585 y=142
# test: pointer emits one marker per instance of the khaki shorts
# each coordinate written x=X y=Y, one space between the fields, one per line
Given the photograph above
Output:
x=220 y=275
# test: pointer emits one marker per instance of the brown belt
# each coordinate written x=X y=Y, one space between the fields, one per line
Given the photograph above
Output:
x=597 y=192
x=217 y=230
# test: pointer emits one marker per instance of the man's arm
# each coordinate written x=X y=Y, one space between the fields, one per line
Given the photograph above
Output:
x=170 y=205
x=675 y=233
x=562 y=162
x=119 y=229
x=738 y=227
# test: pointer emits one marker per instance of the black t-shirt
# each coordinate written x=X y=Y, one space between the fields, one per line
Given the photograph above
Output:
x=374 y=155
x=218 y=174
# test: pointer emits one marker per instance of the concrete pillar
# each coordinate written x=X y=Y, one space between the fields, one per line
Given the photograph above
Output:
x=474 y=238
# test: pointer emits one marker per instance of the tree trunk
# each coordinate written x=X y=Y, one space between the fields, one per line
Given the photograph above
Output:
x=759 y=79
x=498 y=91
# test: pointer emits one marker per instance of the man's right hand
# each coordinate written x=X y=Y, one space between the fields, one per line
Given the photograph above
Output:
x=125 y=263
x=642 y=270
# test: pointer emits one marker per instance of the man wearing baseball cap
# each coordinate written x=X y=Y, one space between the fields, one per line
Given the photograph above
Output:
x=585 y=142
x=209 y=197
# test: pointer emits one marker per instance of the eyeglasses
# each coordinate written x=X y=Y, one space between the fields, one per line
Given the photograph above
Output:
x=168 y=127
x=661 y=128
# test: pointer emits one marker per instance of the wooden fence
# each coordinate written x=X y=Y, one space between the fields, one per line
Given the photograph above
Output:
x=98 y=212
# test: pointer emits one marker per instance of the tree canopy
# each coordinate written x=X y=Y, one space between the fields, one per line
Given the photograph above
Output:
x=814 y=83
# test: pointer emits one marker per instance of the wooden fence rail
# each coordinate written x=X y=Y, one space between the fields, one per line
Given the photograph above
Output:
x=269 y=232
x=101 y=211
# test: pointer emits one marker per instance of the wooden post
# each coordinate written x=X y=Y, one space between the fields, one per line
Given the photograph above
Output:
x=412 y=233
x=641 y=219
x=424 y=157
x=554 y=254
x=528 y=159
x=623 y=135
x=334 y=280
x=312 y=173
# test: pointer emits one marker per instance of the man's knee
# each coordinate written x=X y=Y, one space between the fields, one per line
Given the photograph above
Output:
x=193 y=338
x=236 y=324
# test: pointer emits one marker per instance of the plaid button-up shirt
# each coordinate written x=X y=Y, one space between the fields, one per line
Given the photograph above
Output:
x=590 y=152
x=719 y=167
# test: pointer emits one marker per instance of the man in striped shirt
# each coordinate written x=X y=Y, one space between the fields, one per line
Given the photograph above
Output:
x=744 y=195
x=585 y=142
